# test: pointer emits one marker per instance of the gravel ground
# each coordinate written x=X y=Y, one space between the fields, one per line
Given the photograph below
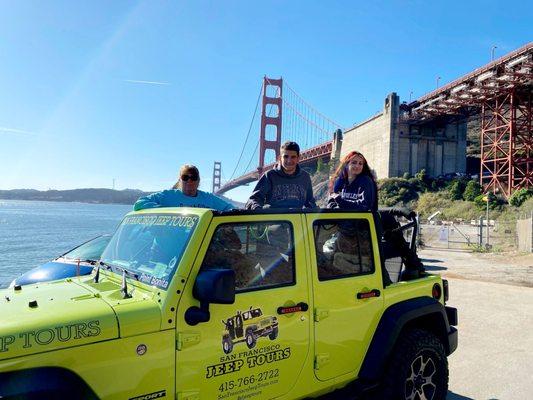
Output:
x=507 y=268
x=494 y=297
x=493 y=359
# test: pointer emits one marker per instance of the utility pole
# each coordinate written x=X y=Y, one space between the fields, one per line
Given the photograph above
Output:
x=492 y=52
x=113 y=183
x=487 y=197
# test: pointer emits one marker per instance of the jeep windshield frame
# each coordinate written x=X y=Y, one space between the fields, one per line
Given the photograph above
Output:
x=150 y=246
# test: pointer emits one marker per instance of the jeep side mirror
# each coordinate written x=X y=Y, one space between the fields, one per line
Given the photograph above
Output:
x=215 y=286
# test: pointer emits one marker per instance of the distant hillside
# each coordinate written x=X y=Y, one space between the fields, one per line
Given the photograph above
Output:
x=98 y=196
x=105 y=196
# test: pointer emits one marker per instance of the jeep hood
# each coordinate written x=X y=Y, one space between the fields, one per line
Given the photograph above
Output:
x=49 y=316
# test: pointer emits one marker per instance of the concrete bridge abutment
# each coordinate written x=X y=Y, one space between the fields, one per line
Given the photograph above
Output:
x=394 y=145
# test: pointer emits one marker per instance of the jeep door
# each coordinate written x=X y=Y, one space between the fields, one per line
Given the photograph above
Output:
x=265 y=354
x=347 y=290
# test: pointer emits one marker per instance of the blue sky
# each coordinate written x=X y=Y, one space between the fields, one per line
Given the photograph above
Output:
x=74 y=112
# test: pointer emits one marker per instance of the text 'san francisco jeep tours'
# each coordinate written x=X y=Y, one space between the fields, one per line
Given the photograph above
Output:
x=310 y=301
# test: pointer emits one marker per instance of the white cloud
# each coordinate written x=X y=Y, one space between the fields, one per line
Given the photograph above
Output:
x=147 y=82
x=13 y=131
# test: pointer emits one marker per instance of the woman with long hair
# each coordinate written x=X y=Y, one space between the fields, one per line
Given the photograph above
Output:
x=184 y=193
x=353 y=185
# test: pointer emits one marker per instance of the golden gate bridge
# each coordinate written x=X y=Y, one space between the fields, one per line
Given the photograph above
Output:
x=500 y=93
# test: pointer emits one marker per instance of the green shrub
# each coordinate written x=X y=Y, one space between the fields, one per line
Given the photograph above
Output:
x=321 y=166
x=396 y=191
x=520 y=196
x=457 y=189
x=495 y=203
x=527 y=206
x=422 y=181
x=429 y=202
x=472 y=190
x=460 y=209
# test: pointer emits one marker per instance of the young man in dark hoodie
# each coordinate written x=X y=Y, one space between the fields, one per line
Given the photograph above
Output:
x=285 y=186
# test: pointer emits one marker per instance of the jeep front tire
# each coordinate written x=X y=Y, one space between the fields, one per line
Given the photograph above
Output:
x=227 y=345
x=418 y=368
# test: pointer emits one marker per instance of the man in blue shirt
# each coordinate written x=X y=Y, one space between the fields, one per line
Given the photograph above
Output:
x=185 y=193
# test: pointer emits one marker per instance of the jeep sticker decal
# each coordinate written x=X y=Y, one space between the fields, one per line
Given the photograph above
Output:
x=164 y=220
x=252 y=383
x=43 y=337
x=247 y=327
x=150 y=396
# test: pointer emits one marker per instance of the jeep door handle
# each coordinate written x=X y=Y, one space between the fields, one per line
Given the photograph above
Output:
x=301 y=306
x=367 y=295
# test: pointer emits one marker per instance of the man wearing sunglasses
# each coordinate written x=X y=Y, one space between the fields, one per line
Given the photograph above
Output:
x=184 y=193
x=285 y=186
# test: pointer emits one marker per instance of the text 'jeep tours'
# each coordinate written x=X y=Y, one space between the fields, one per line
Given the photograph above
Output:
x=317 y=297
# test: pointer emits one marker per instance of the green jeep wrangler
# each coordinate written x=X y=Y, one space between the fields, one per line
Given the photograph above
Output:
x=146 y=323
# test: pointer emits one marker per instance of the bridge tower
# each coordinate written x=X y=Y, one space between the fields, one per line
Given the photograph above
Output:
x=217 y=173
x=264 y=142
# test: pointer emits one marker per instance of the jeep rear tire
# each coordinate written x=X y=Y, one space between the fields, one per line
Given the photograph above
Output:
x=274 y=334
x=250 y=339
x=418 y=368
x=227 y=345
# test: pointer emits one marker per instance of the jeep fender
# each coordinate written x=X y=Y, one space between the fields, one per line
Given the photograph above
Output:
x=43 y=383
x=421 y=312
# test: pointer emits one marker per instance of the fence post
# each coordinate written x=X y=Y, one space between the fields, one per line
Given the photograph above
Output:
x=480 y=231
x=531 y=232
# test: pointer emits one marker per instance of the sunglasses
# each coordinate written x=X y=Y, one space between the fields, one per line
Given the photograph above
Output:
x=186 y=178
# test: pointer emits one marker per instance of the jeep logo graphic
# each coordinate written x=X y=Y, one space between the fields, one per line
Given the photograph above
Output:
x=155 y=395
x=45 y=336
x=247 y=327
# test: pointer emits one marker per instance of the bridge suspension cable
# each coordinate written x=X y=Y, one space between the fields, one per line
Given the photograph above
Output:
x=303 y=122
x=248 y=134
x=300 y=122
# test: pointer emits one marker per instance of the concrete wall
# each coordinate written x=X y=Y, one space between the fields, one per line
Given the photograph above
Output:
x=439 y=148
x=373 y=138
x=393 y=147
x=524 y=231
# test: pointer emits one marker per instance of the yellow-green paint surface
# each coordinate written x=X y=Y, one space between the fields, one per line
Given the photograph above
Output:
x=123 y=348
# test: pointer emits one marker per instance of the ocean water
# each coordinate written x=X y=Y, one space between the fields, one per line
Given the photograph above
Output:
x=34 y=232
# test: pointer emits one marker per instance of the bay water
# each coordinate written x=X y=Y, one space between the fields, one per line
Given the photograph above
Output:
x=34 y=232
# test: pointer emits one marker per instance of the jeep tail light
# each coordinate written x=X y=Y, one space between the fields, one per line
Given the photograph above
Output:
x=446 y=291
x=436 y=292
